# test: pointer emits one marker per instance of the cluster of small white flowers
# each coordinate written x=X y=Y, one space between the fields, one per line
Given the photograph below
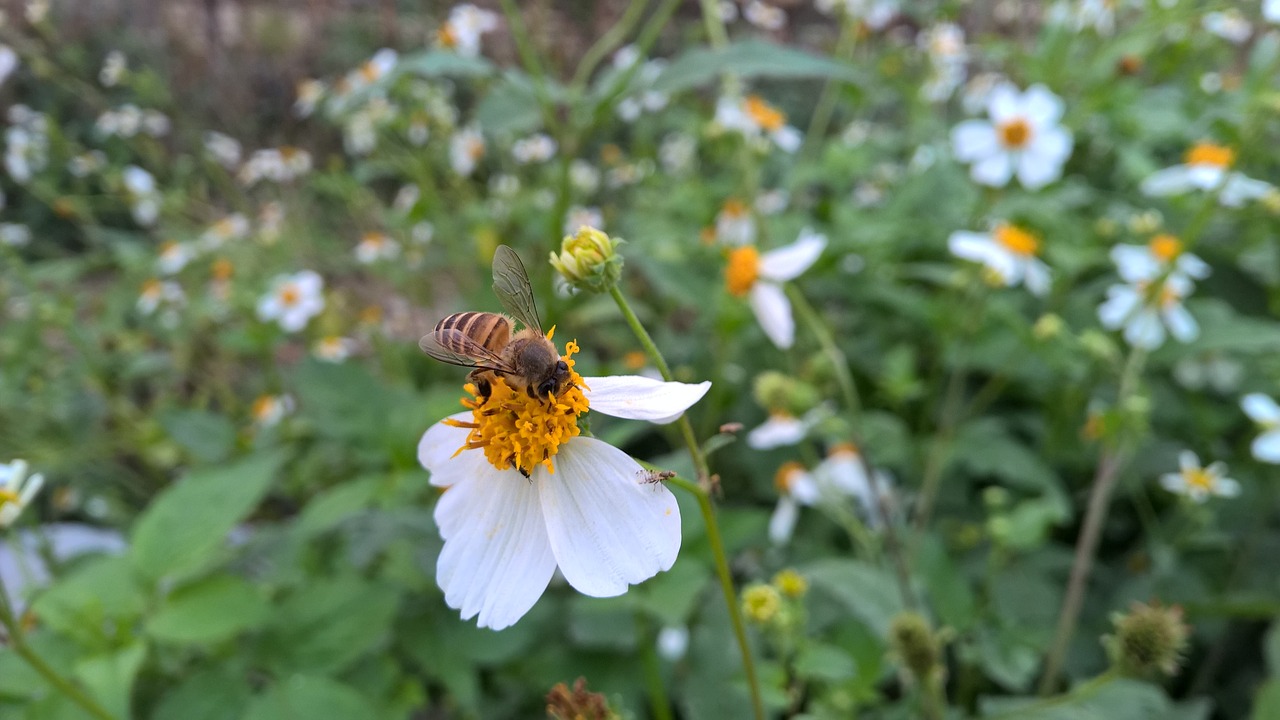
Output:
x=764 y=16
x=643 y=98
x=142 y=195
x=464 y=28
x=224 y=149
x=537 y=148
x=944 y=46
x=128 y=120
x=280 y=165
x=1157 y=278
x=26 y=143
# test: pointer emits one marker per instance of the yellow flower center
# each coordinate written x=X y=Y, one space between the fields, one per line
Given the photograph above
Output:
x=263 y=407
x=733 y=208
x=1210 y=154
x=1198 y=479
x=1016 y=240
x=370 y=71
x=765 y=115
x=844 y=449
x=635 y=360
x=7 y=497
x=787 y=476
x=1165 y=247
x=446 y=36
x=475 y=149
x=224 y=228
x=1015 y=133
x=517 y=431
x=151 y=288
x=290 y=295
x=743 y=269
x=169 y=248
x=222 y=269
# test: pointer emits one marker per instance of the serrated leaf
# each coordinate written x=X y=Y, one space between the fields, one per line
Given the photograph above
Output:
x=749 y=59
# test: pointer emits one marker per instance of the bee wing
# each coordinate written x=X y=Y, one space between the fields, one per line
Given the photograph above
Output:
x=440 y=345
x=511 y=285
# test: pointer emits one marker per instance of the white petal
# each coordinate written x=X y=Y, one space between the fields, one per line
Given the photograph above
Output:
x=1181 y=325
x=1261 y=408
x=994 y=170
x=268 y=308
x=1121 y=302
x=788 y=138
x=1240 y=189
x=608 y=527
x=1037 y=276
x=1192 y=266
x=673 y=641
x=640 y=398
x=787 y=262
x=436 y=453
x=1004 y=103
x=1135 y=263
x=1040 y=165
x=497 y=559
x=1226 y=487
x=1145 y=330
x=309 y=282
x=973 y=140
x=971 y=245
x=1205 y=177
x=777 y=432
x=1266 y=447
x=1042 y=106
x=1188 y=460
x=773 y=310
x=782 y=523
x=1170 y=181
x=804 y=489
x=1173 y=482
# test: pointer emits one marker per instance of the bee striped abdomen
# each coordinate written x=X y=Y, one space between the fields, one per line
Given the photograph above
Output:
x=491 y=330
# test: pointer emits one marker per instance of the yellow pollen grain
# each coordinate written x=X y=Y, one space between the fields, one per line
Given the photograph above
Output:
x=742 y=271
x=1165 y=247
x=1016 y=240
x=765 y=115
x=1015 y=133
x=520 y=432
x=786 y=476
x=1206 y=153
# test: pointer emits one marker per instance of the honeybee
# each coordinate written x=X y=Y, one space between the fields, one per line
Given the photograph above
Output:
x=484 y=341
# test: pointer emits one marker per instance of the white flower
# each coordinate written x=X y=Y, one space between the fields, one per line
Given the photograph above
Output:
x=232 y=227
x=87 y=162
x=466 y=148
x=1271 y=10
x=796 y=487
x=759 y=278
x=309 y=92
x=156 y=293
x=293 y=300
x=406 y=198
x=1008 y=252
x=144 y=198
x=1230 y=25
x=578 y=217
x=875 y=13
x=1145 y=308
x=280 y=164
x=14 y=234
x=1206 y=168
x=1022 y=138
x=1199 y=483
x=584 y=176
x=333 y=348
x=673 y=642
x=944 y=43
x=375 y=246
x=17 y=490
x=224 y=149
x=1162 y=254
x=8 y=62
x=269 y=410
x=1264 y=411
x=588 y=509
x=763 y=16
x=734 y=224
x=536 y=148
x=771 y=202
x=372 y=70
x=173 y=257
x=113 y=67
x=462 y=32
x=782 y=428
x=422 y=232
x=677 y=153
x=844 y=474
x=755 y=118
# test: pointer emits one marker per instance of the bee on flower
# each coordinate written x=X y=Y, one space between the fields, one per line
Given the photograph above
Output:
x=1022 y=138
x=1199 y=483
x=269 y=410
x=1010 y=253
x=755 y=119
x=463 y=30
x=334 y=348
x=759 y=277
x=376 y=246
x=292 y=300
x=466 y=149
x=17 y=490
x=1206 y=167
x=1264 y=411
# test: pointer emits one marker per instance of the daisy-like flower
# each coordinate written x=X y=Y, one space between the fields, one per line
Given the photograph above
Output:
x=796 y=487
x=293 y=300
x=585 y=506
x=783 y=428
x=309 y=92
x=466 y=148
x=764 y=16
x=759 y=278
x=844 y=474
x=1022 y=138
x=1263 y=410
x=1163 y=254
x=1199 y=483
x=1271 y=10
x=536 y=148
x=229 y=228
x=735 y=225
x=464 y=28
x=1206 y=167
x=772 y=202
x=373 y=69
x=144 y=198
x=375 y=246
x=1008 y=252
x=269 y=410
x=754 y=118
x=224 y=149
x=173 y=257
x=17 y=490
x=334 y=348
x=280 y=164
x=156 y=293
x=1145 y=309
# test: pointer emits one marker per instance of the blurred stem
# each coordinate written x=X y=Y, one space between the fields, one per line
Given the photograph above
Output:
x=658 y=700
x=1104 y=481
x=1083 y=691
x=716 y=34
x=529 y=58
x=840 y=364
x=701 y=490
x=610 y=40
x=827 y=101
x=18 y=641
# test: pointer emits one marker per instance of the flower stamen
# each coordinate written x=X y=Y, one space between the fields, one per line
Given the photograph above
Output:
x=743 y=269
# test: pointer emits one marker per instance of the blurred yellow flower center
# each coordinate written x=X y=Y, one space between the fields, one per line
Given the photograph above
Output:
x=791 y=583
x=1210 y=154
x=289 y=295
x=1198 y=479
x=733 y=208
x=521 y=432
x=1015 y=133
x=8 y=496
x=1016 y=240
x=151 y=288
x=765 y=115
x=222 y=269
x=1165 y=247
x=844 y=449
x=263 y=407
x=634 y=360
x=787 y=476
x=743 y=269
x=446 y=36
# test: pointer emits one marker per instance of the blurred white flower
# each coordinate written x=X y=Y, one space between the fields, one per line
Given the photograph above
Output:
x=1206 y=167
x=1146 y=308
x=280 y=164
x=373 y=69
x=673 y=642
x=764 y=16
x=113 y=68
x=269 y=410
x=224 y=149
x=406 y=198
x=464 y=28
x=333 y=348
x=17 y=490
x=309 y=92
x=26 y=144
x=293 y=300
x=796 y=487
x=734 y=224
x=578 y=217
x=86 y=163
x=8 y=62
x=1009 y=252
x=584 y=176
x=422 y=232
x=537 y=148
x=173 y=257
x=160 y=293
x=376 y=246
x=232 y=227
x=466 y=148
x=270 y=221
x=1163 y=254
x=1199 y=483
x=771 y=202
x=14 y=234
x=875 y=13
x=141 y=192
x=1214 y=370
x=1271 y=10
x=1022 y=138
x=1264 y=411
x=677 y=153
x=759 y=278
x=1230 y=25
x=754 y=118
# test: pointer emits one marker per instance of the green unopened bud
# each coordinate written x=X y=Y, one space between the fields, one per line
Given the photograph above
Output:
x=916 y=646
x=1049 y=326
x=1147 y=639
x=1106 y=227
x=761 y=603
x=777 y=392
x=588 y=260
x=1097 y=344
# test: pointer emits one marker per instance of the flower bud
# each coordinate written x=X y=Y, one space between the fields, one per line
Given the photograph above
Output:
x=761 y=603
x=1147 y=639
x=916 y=646
x=1097 y=344
x=775 y=391
x=1049 y=326
x=791 y=583
x=588 y=260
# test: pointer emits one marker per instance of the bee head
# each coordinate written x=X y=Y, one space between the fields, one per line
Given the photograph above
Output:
x=553 y=382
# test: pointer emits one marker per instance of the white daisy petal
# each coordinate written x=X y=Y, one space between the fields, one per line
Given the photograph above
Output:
x=1004 y=103
x=640 y=398
x=1181 y=324
x=782 y=523
x=973 y=140
x=1037 y=277
x=437 y=448
x=787 y=262
x=1173 y=482
x=1135 y=263
x=1266 y=447
x=1145 y=330
x=1121 y=302
x=1169 y=181
x=773 y=310
x=608 y=528
x=978 y=247
x=1041 y=105
x=993 y=170
x=1188 y=460
x=777 y=432
x=497 y=559
x=1226 y=487
x=1261 y=408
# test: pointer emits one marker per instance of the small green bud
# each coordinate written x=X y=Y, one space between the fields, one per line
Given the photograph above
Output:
x=588 y=260
x=1147 y=639
x=761 y=603
x=1049 y=326
x=916 y=646
x=1099 y=345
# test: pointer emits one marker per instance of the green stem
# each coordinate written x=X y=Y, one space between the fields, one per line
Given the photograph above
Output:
x=1083 y=691
x=827 y=101
x=658 y=700
x=529 y=58
x=716 y=34
x=701 y=490
x=18 y=641
x=840 y=364
x=610 y=40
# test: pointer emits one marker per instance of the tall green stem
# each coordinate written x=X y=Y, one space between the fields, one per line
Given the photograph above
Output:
x=827 y=101
x=701 y=491
x=658 y=700
x=716 y=34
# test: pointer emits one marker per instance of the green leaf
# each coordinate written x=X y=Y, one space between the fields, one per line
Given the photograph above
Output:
x=1008 y=659
x=511 y=106
x=101 y=589
x=985 y=448
x=824 y=662
x=326 y=510
x=187 y=524
x=750 y=59
x=436 y=63
x=948 y=588
x=1271 y=649
x=110 y=677
x=303 y=698
x=215 y=694
x=209 y=437
x=603 y=623
x=1267 y=704
x=327 y=625
x=209 y=611
x=865 y=591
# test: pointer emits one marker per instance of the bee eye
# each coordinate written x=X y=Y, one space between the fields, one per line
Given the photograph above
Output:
x=546 y=387
x=562 y=367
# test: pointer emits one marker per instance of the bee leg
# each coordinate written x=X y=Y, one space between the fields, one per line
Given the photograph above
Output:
x=525 y=473
x=483 y=388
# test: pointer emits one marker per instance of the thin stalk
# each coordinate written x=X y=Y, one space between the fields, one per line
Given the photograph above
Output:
x=716 y=34
x=658 y=700
x=701 y=490
x=610 y=40
x=827 y=100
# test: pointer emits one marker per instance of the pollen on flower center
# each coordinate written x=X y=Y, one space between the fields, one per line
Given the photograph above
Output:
x=765 y=115
x=521 y=432
x=289 y=296
x=7 y=497
x=1014 y=133
x=1210 y=154
x=1198 y=478
x=743 y=269
x=1016 y=240
x=1165 y=247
